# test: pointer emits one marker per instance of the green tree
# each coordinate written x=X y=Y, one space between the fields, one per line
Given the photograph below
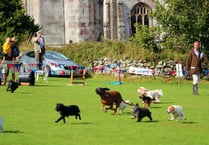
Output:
x=14 y=21
x=144 y=39
x=184 y=22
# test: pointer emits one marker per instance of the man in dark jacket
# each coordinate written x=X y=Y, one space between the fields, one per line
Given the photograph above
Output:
x=194 y=64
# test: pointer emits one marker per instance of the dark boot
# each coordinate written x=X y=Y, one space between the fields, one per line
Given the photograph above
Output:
x=195 y=89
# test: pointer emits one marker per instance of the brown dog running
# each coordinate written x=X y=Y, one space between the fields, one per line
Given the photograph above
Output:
x=110 y=98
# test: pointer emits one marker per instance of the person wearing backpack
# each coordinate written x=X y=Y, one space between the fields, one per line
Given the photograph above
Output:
x=39 y=48
x=15 y=51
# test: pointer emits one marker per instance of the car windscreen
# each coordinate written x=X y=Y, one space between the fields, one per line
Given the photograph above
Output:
x=55 y=55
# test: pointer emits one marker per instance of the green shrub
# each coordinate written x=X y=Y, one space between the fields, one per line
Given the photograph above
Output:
x=85 y=52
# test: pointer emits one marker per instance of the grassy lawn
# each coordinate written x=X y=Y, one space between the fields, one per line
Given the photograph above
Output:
x=29 y=115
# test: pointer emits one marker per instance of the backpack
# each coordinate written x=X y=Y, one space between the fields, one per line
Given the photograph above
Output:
x=15 y=51
x=42 y=44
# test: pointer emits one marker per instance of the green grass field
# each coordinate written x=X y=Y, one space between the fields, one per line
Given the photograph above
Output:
x=29 y=115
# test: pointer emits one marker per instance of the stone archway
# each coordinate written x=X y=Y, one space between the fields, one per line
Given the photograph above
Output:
x=139 y=14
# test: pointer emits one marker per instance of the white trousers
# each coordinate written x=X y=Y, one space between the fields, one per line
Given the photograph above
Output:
x=196 y=78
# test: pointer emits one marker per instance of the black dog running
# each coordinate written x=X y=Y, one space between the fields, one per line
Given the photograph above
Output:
x=12 y=86
x=66 y=111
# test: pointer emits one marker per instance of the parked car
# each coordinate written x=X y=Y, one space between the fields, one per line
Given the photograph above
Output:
x=57 y=63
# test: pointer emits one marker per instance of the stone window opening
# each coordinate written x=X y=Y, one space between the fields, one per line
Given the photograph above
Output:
x=139 y=14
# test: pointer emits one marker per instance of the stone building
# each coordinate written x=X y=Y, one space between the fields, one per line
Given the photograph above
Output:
x=65 y=21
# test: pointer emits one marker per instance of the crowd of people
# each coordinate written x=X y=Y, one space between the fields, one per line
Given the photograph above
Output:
x=10 y=51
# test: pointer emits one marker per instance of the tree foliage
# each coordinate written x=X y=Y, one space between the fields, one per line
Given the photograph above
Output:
x=184 y=22
x=144 y=36
x=144 y=39
x=14 y=21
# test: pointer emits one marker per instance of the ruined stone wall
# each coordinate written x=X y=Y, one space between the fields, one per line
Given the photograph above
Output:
x=116 y=17
x=128 y=6
x=73 y=20
x=63 y=21
x=106 y=19
x=83 y=20
x=113 y=17
x=49 y=14
x=95 y=20
x=52 y=21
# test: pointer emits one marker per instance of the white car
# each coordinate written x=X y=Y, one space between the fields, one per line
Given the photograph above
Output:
x=58 y=64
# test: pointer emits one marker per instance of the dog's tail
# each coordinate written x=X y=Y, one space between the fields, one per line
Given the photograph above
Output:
x=160 y=92
x=127 y=102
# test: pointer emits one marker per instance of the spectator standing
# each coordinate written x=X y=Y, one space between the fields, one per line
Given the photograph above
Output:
x=194 y=64
x=39 y=48
x=15 y=51
x=7 y=61
x=14 y=48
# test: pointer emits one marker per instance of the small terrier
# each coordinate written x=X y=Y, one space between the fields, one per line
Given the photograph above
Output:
x=146 y=101
x=140 y=113
x=176 y=112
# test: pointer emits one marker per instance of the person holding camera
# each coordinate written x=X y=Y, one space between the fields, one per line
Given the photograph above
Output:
x=39 y=48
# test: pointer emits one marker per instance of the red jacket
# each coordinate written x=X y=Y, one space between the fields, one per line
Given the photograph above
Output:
x=194 y=63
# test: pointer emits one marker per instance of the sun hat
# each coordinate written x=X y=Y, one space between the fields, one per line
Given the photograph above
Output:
x=39 y=31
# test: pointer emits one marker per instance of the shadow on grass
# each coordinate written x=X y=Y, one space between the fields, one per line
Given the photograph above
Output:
x=12 y=131
x=25 y=92
x=48 y=86
x=83 y=123
x=124 y=113
x=164 y=103
x=153 y=121
x=156 y=107
x=189 y=122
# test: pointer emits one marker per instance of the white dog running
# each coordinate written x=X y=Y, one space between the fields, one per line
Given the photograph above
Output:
x=1 y=125
x=123 y=106
x=176 y=112
x=154 y=94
